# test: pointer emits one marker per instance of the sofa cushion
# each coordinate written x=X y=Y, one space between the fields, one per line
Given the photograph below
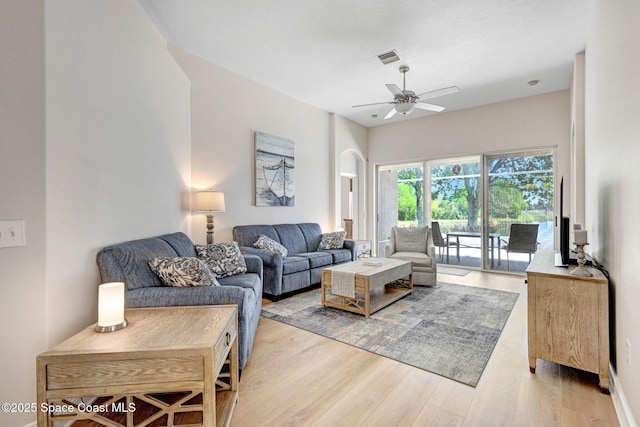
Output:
x=182 y=271
x=339 y=255
x=291 y=237
x=246 y=235
x=294 y=264
x=268 y=244
x=334 y=240
x=223 y=259
x=317 y=259
x=416 y=258
x=128 y=262
x=312 y=234
x=411 y=239
x=180 y=243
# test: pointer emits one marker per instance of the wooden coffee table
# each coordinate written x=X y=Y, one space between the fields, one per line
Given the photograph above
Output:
x=375 y=285
x=176 y=359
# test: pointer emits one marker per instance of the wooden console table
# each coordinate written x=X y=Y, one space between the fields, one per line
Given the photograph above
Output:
x=173 y=360
x=568 y=317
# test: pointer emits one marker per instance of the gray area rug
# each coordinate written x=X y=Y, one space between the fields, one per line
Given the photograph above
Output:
x=450 y=330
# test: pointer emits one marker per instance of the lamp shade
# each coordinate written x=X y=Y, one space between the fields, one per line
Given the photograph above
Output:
x=209 y=201
x=111 y=307
x=405 y=107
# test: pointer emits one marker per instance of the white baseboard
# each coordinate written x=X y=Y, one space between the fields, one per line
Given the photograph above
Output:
x=623 y=410
x=33 y=424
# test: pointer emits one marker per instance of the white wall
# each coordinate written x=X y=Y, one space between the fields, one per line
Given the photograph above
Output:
x=111 y=164
x=350 y=156
x=612 y=191
x=118 y=145
x=536 y=121
x=22 y=189
x=227 y=109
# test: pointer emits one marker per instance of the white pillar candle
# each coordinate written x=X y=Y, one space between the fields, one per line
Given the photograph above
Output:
x=110 y=304
x=580 y=237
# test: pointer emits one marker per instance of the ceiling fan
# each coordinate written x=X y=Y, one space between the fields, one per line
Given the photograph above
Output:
x=406 y=100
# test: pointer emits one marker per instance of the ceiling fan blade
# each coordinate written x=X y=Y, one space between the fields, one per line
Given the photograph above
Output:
x=429 y=107
x=390 y=114
x=395 y=90
x=439 y=92
x=375 y=103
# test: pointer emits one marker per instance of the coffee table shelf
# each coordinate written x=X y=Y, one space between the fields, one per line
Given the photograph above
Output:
x=375 y=287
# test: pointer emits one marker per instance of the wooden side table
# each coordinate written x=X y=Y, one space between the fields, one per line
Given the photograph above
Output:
x=568 y=317
x=173 y=359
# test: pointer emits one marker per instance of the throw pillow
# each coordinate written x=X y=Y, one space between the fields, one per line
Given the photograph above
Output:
x=223 y=259
x=333 y=240
x=182 y=272
x=268 y=244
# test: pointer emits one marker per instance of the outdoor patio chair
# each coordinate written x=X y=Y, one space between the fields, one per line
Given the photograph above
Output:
x=523 y=239
x=442 y=242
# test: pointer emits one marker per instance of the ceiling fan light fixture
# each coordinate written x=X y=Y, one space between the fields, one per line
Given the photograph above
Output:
x=405 y=107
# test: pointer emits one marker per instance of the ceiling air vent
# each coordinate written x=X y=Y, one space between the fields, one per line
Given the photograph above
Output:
x=389 y=57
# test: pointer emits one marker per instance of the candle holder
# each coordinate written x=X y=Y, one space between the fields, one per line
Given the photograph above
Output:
x=581 y=270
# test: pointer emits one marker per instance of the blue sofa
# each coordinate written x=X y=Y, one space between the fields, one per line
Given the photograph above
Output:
x=128 y=262
x=303 y=265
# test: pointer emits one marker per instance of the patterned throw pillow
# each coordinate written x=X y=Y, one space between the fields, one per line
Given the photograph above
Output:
x=333 y=240
x=223 y=259
x=183 y=272
x=268 y=244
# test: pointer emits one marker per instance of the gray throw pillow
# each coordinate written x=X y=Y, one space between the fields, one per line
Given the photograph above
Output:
x=223 y=259
x=182 y=272
x=334 y=240
x=269 y=244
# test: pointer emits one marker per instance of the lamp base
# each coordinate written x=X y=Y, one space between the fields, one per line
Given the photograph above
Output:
x=112 y=328
x=582 y=272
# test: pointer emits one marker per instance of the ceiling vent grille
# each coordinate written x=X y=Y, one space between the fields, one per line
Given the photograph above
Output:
x=389 y=57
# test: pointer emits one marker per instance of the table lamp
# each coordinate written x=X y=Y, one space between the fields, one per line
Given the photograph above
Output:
x=209 y=201
x=111 y=307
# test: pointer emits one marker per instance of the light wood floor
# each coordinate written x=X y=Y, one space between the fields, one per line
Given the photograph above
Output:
x=296 y=378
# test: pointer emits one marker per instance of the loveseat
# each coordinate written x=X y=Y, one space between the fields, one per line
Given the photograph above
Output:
x=304 y=262
x=128 y=262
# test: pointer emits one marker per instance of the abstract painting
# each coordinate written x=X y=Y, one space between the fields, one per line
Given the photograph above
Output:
x=275 y=171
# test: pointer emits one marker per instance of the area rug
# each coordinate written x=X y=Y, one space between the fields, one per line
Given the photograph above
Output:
x=450 y=330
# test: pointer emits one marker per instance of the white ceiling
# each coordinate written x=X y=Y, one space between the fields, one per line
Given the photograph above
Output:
x=324 y=52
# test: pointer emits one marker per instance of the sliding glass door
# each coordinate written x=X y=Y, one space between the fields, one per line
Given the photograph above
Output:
x=491 y=211
x=520 y=205
x=455 y=210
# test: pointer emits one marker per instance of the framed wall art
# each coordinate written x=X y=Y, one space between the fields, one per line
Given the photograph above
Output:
x=275 y=171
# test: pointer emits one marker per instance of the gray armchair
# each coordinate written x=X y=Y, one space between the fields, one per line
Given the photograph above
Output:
x=414 y=244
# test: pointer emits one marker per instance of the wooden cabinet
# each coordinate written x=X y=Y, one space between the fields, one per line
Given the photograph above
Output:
x=168 y=362
x=568 y=317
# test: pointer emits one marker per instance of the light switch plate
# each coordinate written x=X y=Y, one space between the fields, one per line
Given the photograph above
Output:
x=12 y=233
